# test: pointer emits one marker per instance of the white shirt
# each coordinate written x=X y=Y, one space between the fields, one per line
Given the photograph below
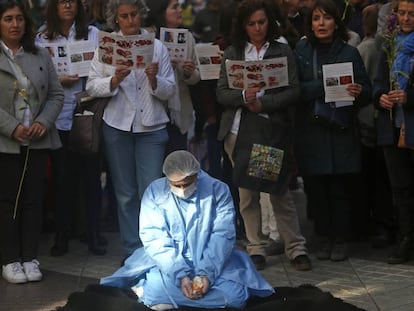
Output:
x=64 y=120
x=250 y=54
x=134 y=105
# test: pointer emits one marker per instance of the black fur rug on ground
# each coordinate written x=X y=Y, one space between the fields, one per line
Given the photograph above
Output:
x=303 y=298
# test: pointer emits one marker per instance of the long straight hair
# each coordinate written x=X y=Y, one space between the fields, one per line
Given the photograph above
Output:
x=54 y=24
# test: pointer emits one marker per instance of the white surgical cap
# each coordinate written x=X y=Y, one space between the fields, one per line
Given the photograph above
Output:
x=179 y=165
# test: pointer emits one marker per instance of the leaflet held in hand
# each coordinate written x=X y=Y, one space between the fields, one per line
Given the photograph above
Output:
x=73 y=58
x=265 y=74
x=175 y=39
x=208 y=60
x=131 y=51
x=336 y=77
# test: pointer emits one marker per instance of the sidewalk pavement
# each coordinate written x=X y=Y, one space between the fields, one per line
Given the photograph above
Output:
x=365 y=279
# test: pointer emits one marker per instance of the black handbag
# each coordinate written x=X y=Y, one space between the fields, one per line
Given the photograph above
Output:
x=262 y=154
x=327 y=114
x=85 y=135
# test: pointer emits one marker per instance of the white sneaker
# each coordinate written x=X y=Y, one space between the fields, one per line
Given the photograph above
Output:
x=31 y=269
x=13 y=273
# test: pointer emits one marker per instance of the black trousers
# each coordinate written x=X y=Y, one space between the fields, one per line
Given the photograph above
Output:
x=19 y=237
x=331 y=208
x=372 y=205
x=400 y=166
x=176 y=140
x=65 y=179
x=77 y=189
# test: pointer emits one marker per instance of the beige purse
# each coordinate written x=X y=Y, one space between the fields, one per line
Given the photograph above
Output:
x=401 y=138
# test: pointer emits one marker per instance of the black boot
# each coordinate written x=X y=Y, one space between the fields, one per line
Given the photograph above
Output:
x=102 y=241
x=383 y=238
x=60 y=247
x=94 y=244
x=402 y=251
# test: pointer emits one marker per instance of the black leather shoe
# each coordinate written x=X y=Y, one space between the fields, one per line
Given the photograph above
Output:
x=94 y=246
x=60 y=247
x=259 y=261
x=401 y=253
x=382 y=239
x=102 y=241
x=325 y=249
x=301 y=263
x=339 y=251
x=97 y=250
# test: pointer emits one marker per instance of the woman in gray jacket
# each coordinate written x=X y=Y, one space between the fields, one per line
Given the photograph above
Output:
x=30 y=102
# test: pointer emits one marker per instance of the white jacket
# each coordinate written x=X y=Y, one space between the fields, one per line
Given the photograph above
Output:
x=134 y=105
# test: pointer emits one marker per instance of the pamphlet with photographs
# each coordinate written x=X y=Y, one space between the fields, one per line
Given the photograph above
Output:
x=176 y=42
x=71 y=58
x=208 y=60
x=131 y=51
x=265 y=74
x=265 y=162
x=336 y=77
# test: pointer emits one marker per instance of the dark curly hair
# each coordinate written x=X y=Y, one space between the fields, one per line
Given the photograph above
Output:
x=244 y=11
x=27 y=40
x=330 y=8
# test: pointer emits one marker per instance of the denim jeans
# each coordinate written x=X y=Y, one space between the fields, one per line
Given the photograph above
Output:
x=134 y=160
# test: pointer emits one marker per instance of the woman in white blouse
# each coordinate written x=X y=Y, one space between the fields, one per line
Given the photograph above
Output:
x=135 y=119
x=76 y=178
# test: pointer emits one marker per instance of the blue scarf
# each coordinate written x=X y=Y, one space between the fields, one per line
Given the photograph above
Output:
x=405 y=45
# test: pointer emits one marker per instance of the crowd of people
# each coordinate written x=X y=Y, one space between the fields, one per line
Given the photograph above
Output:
x=358 y=176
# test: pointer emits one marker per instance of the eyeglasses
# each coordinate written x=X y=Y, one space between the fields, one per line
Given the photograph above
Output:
x=64 y=2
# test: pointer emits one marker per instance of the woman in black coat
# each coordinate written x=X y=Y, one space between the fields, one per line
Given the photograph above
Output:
x=328 y=157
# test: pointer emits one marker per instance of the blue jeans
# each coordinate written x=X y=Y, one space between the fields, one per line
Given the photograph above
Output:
x=134 y=160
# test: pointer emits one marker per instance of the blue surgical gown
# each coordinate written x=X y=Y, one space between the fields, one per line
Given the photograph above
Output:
x=189 y=237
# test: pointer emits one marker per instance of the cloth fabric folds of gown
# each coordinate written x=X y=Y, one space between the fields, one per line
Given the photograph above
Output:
x=189 y=237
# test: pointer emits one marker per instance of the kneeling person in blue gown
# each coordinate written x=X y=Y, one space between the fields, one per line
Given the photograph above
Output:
x=189 y=257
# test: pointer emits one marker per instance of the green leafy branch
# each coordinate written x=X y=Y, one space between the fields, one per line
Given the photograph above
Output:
x=23 y=94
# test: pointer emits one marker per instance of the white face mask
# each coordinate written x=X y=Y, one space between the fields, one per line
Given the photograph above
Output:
x=186 y=192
